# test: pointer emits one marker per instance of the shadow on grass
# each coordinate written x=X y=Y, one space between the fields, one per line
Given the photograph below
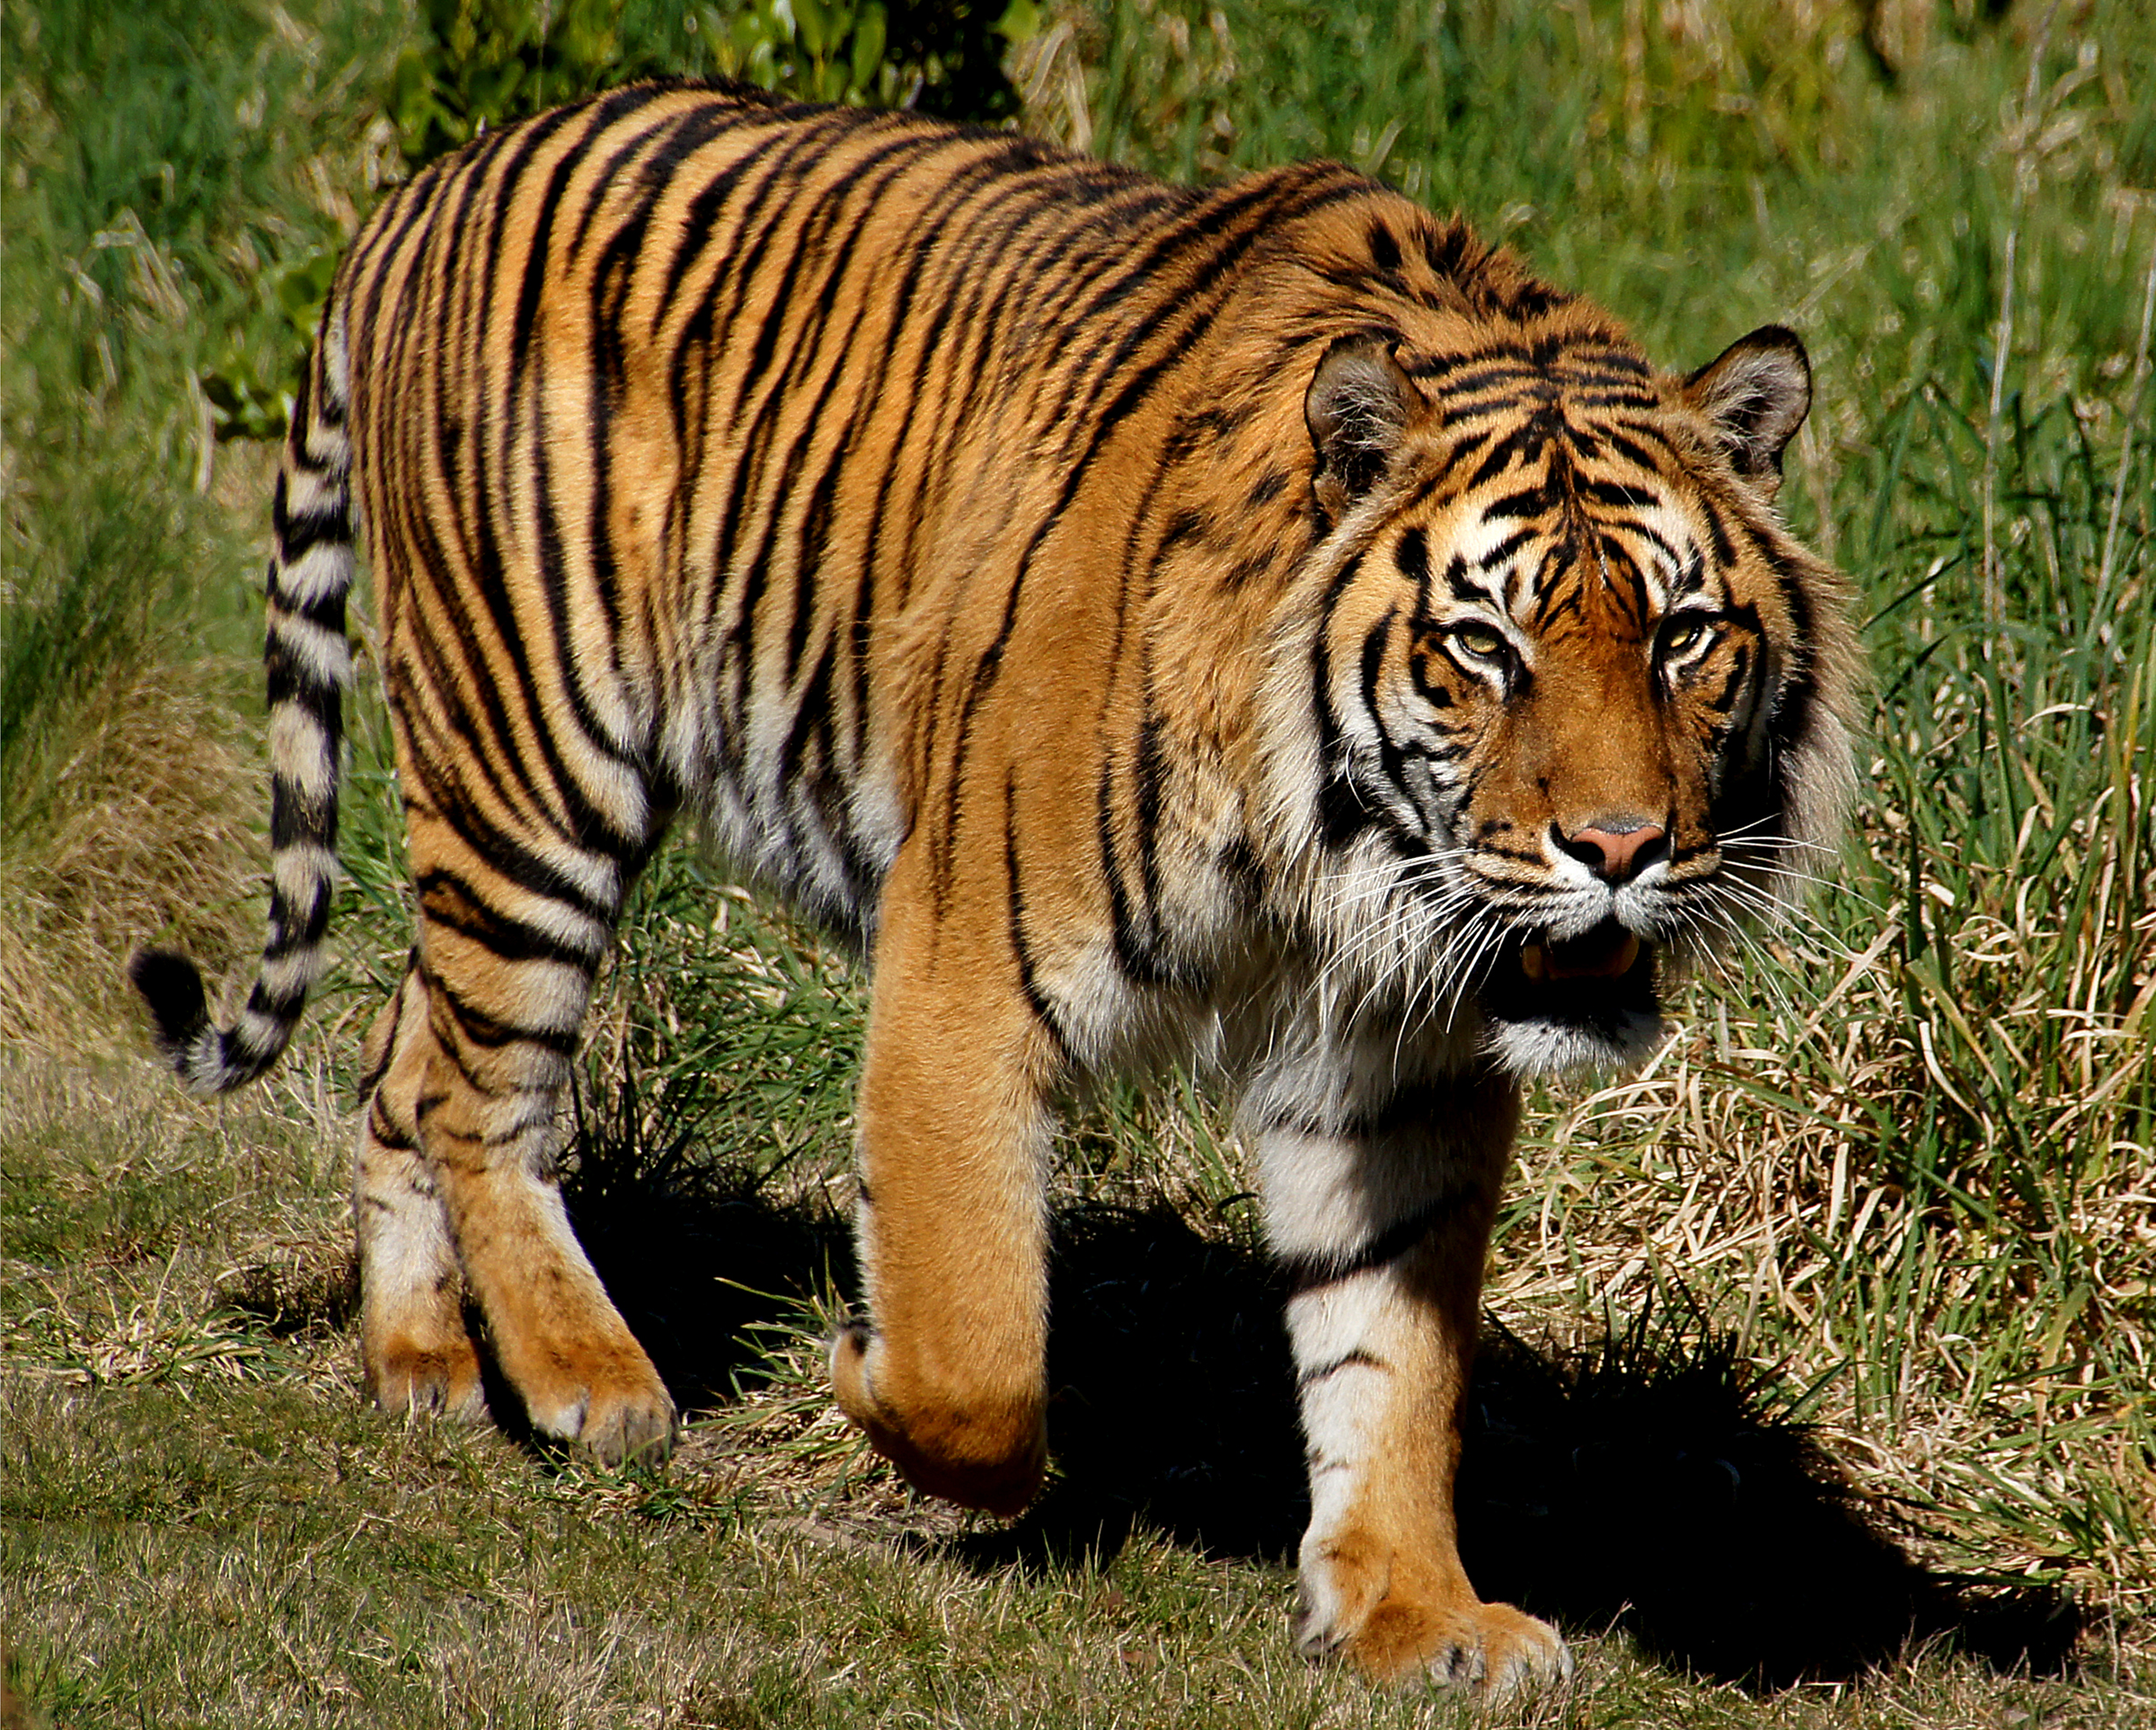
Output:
x=1640 y=1484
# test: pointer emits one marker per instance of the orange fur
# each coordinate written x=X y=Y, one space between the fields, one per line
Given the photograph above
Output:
x=1257 y=626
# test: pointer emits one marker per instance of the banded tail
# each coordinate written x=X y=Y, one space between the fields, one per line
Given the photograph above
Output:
x=308 y=663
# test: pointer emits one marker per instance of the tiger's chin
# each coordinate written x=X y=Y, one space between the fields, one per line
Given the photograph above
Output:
x=1586 y=1003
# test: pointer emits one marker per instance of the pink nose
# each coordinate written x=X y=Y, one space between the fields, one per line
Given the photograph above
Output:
x=1616 y=854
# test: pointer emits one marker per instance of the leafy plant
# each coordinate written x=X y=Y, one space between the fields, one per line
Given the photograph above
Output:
x=829 y=51
x=485 y=62
x=250 y=393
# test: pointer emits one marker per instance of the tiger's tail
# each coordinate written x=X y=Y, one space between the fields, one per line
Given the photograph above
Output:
x=308 y=664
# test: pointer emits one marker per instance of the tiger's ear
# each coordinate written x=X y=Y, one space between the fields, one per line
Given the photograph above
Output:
x=1359 y=404
x=1755 y=395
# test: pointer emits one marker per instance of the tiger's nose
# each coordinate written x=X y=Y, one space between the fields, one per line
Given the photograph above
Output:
x=1616 y=849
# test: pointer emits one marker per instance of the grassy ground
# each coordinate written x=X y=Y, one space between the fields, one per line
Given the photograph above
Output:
x=1832 y=1326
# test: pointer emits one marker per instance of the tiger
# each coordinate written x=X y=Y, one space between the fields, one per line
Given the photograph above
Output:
x=1257 y=627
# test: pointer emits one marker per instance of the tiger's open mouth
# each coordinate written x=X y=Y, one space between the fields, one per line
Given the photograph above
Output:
x=1609 y=951
x=1603 y=975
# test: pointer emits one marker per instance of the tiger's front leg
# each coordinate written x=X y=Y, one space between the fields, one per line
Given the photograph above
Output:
x=1382 y=1215
x=948 y=1376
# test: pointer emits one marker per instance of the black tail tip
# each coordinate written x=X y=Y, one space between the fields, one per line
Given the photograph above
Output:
x=172 y=984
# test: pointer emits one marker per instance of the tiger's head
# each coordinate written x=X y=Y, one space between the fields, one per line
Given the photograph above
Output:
x=1579 y=700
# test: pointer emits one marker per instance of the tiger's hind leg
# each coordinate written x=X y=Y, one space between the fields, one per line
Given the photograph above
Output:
x=488 y=1022
x=415 y=1351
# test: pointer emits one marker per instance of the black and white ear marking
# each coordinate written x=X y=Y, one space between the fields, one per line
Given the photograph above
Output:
x=1359 y=404
x=1756 y=395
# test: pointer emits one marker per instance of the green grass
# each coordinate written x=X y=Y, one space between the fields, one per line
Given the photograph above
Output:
x=1891 y=1181
x=157 y=159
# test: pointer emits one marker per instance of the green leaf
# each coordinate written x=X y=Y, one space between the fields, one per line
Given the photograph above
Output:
x=1021 y=23
x=413 y=102
x=302 y=289
x=493 y=89
x=870 y=33
x=763 y=30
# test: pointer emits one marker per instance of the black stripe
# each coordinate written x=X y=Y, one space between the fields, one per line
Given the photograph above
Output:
x=954 y=190
x=494 y=846
x=1022 y=950
x=1413 y=556
x=446 y=899
x=1149 y=775
x=401 y=500
x=819 y=240
x=372 y=1079
x=753 y=239
x=289 y=936
x=1309 y=1271
x=1309 y=1378
x=490 y=679
x=388 y=1134
x=1342 y=813
x=1507 y=450
x=1617 y=493
x=1313 y=1269
x=296 y=534
x=1456 y=581
x=661 y=143
x=490 y=1032
x=699 y=229
x=988 y=664
x=1495 y=558
x=539 y=1118
x=283 y=1007
x=595 y=118
x=1134 y=952
x=1391 y=763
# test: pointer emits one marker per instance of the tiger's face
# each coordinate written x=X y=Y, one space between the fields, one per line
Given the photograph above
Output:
x=1576 y=730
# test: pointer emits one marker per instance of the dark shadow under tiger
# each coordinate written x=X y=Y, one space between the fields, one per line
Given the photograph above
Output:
x=1256 y=626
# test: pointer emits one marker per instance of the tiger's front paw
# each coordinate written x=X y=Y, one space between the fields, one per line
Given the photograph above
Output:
x=1377 y=1615
x=1492 y=1649
x=980 y=1450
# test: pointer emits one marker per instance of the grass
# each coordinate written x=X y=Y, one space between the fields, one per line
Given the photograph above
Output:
x=1836 y=1322
x=150 y=172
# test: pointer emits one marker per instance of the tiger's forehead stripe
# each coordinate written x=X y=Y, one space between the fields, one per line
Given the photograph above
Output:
x=1560 y=506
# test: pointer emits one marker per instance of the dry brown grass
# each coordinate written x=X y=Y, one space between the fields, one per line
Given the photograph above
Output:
x=1995 y=1443
x=142 y=829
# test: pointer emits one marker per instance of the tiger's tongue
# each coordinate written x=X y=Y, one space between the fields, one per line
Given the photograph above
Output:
x=1595 y=956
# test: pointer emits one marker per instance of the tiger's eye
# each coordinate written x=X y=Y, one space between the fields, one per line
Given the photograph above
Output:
x=1480 y=641
x=1684 y=635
